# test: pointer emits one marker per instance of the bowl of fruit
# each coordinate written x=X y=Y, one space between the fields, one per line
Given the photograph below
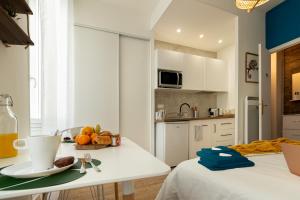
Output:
x=93 y=138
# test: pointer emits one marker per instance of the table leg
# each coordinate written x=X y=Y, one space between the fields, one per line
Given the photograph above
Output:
x=128 y=190
x=64 y=195
x=116 y=191
x=45 y=196
x=97 y=192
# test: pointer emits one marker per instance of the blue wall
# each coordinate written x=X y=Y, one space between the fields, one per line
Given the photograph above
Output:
x=283 y=23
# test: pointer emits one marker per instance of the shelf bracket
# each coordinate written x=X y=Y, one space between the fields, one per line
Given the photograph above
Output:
x=5 y=44
x=28 y=31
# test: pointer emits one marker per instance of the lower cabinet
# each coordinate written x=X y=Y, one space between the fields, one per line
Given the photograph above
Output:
x=172 y=145
x=180 y=141
x=199 y=136
x=209 y=133
x=223 y=134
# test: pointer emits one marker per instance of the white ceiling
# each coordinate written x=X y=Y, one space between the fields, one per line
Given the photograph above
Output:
x=145 y=7
x=195 y=18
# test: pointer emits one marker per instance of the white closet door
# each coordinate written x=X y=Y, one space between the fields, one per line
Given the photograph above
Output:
x=96 y=92
x=135 y=96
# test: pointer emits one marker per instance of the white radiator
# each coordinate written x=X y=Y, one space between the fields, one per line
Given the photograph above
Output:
x=251 y=119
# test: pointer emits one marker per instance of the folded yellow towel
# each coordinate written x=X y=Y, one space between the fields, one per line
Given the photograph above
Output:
x=263 y=146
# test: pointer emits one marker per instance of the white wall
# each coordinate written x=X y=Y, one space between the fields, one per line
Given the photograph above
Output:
x=248 y=42
x=106 y=16
x=227 y=100
x=14 y=80
x=184 y=49
x=250 y=30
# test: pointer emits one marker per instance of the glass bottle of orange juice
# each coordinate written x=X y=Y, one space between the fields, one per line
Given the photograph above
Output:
x=8 y=127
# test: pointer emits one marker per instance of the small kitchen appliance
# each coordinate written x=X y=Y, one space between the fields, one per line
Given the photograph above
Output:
x=169 y=79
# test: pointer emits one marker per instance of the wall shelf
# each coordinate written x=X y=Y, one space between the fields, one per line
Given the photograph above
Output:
x=11 y=33
x=18 y=6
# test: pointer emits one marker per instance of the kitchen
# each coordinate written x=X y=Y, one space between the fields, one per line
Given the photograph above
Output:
x=195 y=81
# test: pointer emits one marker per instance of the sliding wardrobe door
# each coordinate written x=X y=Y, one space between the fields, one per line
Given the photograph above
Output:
x=135 y=96
x=96 y=91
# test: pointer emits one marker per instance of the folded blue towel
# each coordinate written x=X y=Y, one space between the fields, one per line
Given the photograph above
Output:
x=223 y=149
x=220 y=160
x=213 y=160
x=226 y=166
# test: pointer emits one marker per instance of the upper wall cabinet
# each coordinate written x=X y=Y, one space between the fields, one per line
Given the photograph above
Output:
x=171 y=60
x=199 y=73
x=216 y=75
x=194 y=73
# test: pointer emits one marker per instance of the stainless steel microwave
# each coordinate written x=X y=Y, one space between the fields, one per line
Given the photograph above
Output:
x=169 y=79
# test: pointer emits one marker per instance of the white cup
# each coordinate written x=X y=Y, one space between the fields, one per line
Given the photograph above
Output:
x=42 y=149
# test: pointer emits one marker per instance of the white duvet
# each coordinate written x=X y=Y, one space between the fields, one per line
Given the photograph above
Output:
x=269 y=179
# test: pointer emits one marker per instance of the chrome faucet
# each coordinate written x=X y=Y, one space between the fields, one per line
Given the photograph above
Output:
x=180 y=108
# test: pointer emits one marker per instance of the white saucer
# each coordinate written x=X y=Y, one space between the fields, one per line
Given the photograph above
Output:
x=24 y=170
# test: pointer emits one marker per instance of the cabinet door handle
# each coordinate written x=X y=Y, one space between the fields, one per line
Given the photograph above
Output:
x=223 y=135
x=215 y=128
x=228 y=123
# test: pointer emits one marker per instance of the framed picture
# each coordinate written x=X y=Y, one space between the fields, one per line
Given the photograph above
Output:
x=251 y=68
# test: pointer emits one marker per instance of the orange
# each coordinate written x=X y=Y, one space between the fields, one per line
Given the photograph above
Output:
x=83 y=139
x=87 y=130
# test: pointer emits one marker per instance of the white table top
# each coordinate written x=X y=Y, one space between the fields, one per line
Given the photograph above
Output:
x=124 y=163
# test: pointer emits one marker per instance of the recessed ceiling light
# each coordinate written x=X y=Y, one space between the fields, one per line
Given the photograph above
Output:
x=220 y=41
x=201 y=35
x=178 y=30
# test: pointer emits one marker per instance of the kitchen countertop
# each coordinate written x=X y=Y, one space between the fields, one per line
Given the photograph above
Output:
x=192 y=119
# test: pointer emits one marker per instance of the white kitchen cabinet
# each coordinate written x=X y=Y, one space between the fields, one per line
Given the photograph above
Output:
x=209 y=133
x=171 y=60
x=96 y=78
x=199 y=136
x=291 y=127
x=216 y=75
x=194 y=72
x=223 y=132
x=172 y=142
x=134 y=109
x=199 y=73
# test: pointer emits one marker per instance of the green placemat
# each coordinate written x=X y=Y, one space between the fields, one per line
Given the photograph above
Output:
x=6 y=181
x=9 y=183
x=87 y=165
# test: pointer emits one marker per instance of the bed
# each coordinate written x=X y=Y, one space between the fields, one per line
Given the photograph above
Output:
x=269 y=179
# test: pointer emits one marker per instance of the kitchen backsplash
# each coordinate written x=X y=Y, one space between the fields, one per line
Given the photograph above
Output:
x=171 y=100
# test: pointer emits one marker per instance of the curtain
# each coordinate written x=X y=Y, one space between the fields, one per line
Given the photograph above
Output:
x=56 y=18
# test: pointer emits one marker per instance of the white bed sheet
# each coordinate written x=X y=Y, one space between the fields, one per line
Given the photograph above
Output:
x=269 y=179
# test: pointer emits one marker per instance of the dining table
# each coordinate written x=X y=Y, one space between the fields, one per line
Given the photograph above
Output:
x=122 y=164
